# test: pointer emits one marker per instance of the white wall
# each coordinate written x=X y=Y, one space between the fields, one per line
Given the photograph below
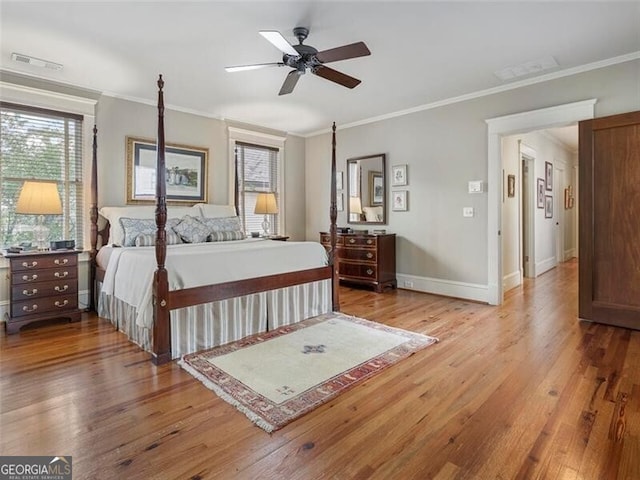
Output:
x=437 y=248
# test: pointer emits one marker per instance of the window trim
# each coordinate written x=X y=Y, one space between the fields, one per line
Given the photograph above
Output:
x=70 y=105
x=261 y=139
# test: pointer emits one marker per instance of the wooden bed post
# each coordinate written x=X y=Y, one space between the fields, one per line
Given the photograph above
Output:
x=93 y=216
x=161 y=313
x=333 y=215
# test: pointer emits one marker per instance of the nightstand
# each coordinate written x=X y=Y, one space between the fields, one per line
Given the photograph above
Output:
x=43 y=286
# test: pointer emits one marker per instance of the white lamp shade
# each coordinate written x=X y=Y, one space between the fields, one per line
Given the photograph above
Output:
x=354 y=205
x=266 y=203
x=39 y=198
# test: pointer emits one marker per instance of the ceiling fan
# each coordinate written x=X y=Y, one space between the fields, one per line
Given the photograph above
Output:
x=304 y=57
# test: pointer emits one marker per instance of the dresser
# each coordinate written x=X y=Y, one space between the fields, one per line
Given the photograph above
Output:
x=366 y=259
x=43 y=285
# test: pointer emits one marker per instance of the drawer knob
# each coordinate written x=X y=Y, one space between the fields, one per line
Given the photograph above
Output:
x=369 y=242
x=32 y=309
x=28 y=278
x=369 y=271
x=61 y=274
x=60 y=304
x=30 y=293
x=30 y=265
x=369 y=255
x=352 y=240
x=64 y=261
x=59 y=288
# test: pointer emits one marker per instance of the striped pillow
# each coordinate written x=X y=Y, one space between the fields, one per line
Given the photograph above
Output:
x=225 y=235
x=149 y=239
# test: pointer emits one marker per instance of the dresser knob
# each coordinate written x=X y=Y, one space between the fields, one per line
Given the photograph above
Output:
x=30 y=293
x=31 y=265
x=352 y=240
x=61 y=304
x=32 y=309
x=61 y=274
x=64 y=261
x=28 y=278
x=58 y=288
x=369 y=255
x=369 y=271
x=369 y=242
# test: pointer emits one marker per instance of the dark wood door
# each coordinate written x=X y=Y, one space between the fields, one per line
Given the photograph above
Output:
x=610 y=220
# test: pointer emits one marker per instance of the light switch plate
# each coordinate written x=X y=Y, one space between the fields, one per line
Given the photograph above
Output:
x=476 y=186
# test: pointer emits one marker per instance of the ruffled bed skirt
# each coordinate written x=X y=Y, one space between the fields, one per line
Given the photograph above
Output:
x=208 y=325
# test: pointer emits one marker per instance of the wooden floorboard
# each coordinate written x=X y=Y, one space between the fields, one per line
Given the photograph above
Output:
x=520 y=391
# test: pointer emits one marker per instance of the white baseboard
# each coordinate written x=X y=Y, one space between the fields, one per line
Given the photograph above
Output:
x=448 y=288
x=511 y=280
x=83 y=303
x=569 y=254
x=545 y=265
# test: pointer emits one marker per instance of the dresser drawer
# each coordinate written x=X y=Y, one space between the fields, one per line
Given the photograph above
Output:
x=46 y=275
x=27 y=263
x=360 y=241
x=349 y=269
x=325 y=239
x=59 y=303
x=360 y=254
x=43 y=289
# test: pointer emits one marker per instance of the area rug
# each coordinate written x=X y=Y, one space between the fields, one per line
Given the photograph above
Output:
x=276 y=377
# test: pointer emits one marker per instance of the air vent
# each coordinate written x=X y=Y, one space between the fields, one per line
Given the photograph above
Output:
x=528 y=68
x=36 y=62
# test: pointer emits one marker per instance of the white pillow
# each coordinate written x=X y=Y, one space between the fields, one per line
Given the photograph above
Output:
x=113 y=214
x=209 y=210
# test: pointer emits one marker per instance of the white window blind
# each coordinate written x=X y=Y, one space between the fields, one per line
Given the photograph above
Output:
x=256 y=172
x=43 y=145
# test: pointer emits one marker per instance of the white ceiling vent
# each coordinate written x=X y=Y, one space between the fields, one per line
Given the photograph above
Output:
x=36 y=62
x=528 y=68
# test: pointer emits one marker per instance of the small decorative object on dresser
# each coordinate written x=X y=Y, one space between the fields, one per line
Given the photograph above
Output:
x=43 y=286
x=365 y=259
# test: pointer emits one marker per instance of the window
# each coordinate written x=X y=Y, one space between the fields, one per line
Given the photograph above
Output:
x=256 y=172
x=44 y=145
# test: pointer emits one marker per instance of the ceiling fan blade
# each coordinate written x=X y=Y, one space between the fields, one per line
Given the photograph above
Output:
x=279 y=42
x=354 y=50
x=289 y=82
x=336 y=76
x=243 y=68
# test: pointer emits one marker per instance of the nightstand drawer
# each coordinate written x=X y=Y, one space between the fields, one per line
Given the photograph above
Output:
x=325 y=239
x=27 y=262
x=43 y=289
x=60 y=303
x=360 y=241
x=363 y=254
x=358 y=270
x=47 y=275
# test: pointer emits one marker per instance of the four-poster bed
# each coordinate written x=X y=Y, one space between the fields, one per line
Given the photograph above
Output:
x=166 y=297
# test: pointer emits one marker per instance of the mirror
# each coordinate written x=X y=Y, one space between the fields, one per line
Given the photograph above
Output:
x=367 y=190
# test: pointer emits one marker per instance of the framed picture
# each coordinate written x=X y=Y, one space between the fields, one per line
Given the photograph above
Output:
x=399 y=201
x=548 y=175
x=339 y=184
x=567 y=197
x=540 y=193
x=185 y=172
x=548 y=206
x=399 y=175
x=511 y=185
x=340 y=202
x=376 y=188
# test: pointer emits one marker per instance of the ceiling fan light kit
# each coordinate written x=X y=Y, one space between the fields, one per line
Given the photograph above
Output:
x=303 y=58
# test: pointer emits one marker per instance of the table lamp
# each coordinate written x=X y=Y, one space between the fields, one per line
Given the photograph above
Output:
x=39 y=198
x=355 y=208
x=266 y=204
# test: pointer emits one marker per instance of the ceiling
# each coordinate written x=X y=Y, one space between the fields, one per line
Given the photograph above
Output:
x=422 y=53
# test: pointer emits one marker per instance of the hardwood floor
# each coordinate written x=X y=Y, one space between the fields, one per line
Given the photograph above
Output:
x=520 y=391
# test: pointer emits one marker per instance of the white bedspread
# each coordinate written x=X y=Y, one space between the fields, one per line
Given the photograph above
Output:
x=129 y=272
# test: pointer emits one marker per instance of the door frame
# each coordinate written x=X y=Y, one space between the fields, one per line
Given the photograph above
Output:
x=527 y=209
x=558 y=116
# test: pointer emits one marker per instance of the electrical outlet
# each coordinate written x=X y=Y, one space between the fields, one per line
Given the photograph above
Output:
x=408 y=284
x=467 y=212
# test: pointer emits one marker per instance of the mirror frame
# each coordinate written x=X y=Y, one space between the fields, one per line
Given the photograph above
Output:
x=369 y=181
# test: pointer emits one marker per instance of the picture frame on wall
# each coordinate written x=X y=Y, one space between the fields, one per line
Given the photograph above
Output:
x=399 y=201
x=376 y=188
x=540 y=198
x=340 y=202
x=399 y=176
x=548 y=176
x=548 y=206
x=339 y=184
x=511 y=186
x=185 y=172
